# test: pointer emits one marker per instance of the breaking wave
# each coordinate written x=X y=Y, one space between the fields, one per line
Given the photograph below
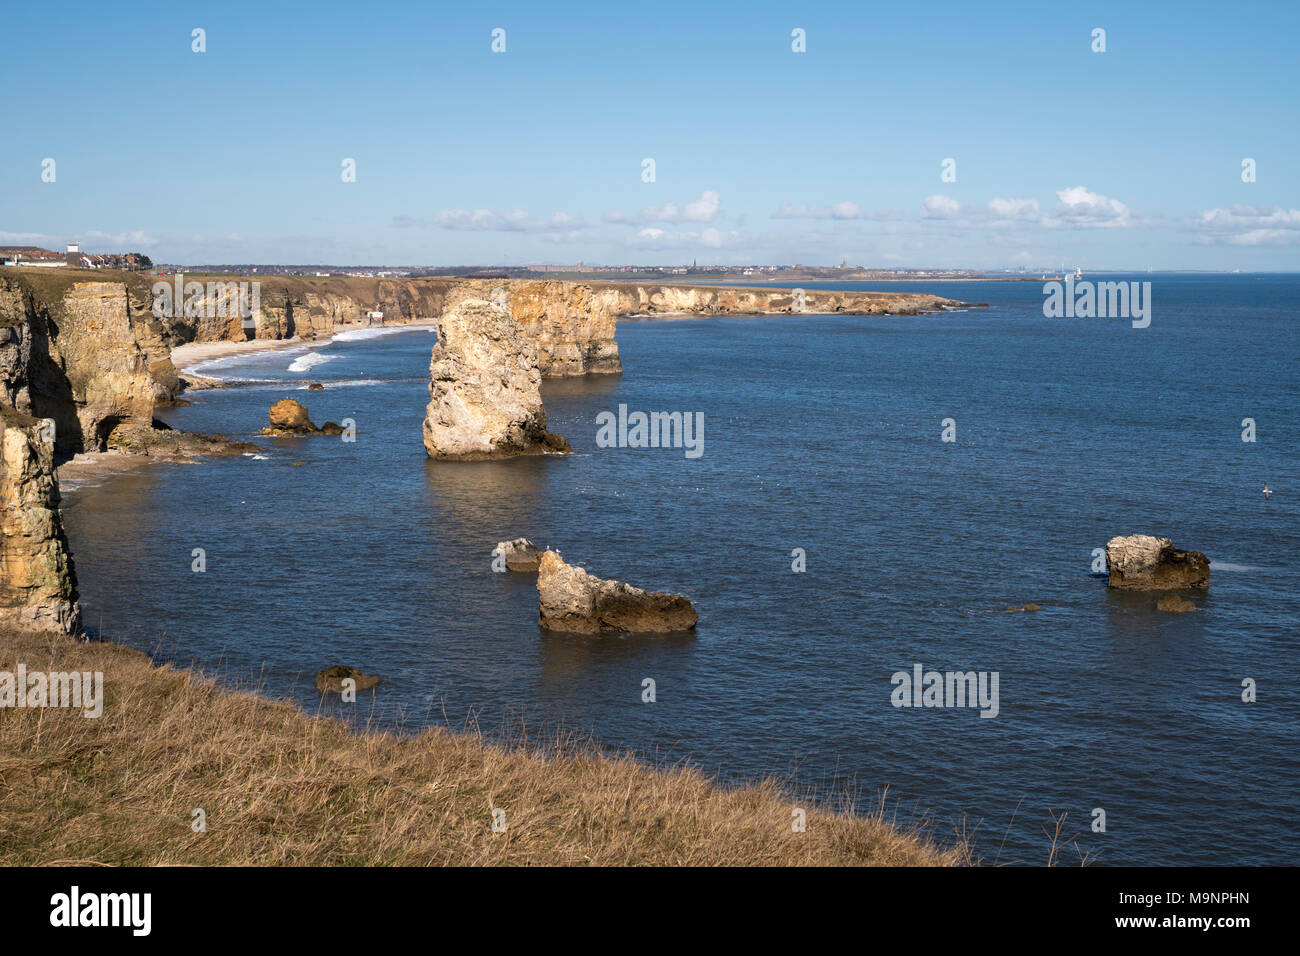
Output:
x=310 y=361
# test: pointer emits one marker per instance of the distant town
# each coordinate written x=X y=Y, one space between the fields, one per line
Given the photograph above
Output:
x=73 y=257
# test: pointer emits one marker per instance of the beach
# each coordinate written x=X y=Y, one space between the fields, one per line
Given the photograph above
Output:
x=186 y=357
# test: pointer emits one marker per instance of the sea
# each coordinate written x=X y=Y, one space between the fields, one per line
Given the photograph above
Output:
x=872 y=494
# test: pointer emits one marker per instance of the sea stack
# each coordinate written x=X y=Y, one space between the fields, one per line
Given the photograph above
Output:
x=570 y=599
x=485 y=396
x=38 y=586
x=1141 y=562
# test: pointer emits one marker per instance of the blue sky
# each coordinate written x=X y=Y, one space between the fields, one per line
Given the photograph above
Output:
x=1131 y=158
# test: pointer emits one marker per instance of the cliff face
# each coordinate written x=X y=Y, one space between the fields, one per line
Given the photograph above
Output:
x=84 y=355
x=38 y=587
x=86 y=349
x=306 y=306
x=485 y=396
x=723 y=300
x=570 y=323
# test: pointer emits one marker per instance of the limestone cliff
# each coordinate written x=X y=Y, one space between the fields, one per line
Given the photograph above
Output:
x=308 y=307
x=637 y=299
x=484 y=386
x=38 y=586
x=571 y=324
x=83 y=354
x=86 y=348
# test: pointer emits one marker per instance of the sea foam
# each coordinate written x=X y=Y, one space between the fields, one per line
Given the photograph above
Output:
x=357 y=335
x=310 y=361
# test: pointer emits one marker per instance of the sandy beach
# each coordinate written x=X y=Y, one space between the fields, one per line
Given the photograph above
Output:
x=185 y=357
x=74 y=472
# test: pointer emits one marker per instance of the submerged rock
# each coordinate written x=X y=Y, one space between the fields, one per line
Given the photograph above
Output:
x=570 y=599
x=38 y=586
x=520 y=554
x=1141 y=562
x=485 y=397
x=1023 y=607
x=330 y=680
x=1175 y=604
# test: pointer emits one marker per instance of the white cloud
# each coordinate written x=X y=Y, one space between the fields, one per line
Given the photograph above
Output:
x=117 y=241
x=1025 y=210
x=705 y=209
x=1079 y=208
x=652 y=237
x=840 y=210
x=940 y=207
x=1248 y=226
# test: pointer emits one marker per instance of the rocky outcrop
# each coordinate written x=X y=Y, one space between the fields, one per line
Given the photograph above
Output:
x=289 y=419
x=572 y=600
x=330 y=680
x=38 y=586
x=519 y=554
x=291 y=416
x=485 y=396
x=163 y=443
x=1141 y=562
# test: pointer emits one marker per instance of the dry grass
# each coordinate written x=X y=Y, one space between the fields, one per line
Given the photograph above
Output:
x=280 y=786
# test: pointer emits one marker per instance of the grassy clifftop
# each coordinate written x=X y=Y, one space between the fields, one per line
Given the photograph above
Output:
x=279 y=786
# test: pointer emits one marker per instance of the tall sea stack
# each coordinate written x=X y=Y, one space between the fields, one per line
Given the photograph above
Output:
x=485 y=397
x=38 y=586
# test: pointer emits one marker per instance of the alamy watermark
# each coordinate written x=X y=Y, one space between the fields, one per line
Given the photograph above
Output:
x=216 y=300
x=651 y=430
x=1085 y=299
x=69 y=689
x=129 y=910
x=922 y=688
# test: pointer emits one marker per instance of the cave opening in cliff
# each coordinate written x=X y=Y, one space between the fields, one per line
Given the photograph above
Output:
x=104 y=431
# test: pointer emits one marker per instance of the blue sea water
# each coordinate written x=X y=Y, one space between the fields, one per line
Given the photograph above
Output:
x=822 y=433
